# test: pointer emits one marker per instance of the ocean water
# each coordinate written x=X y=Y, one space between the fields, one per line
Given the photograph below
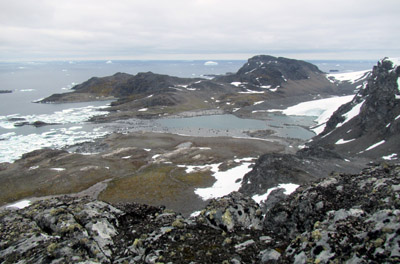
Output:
x=31 y=81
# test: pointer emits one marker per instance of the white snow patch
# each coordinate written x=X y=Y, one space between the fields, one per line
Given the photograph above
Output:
x=237 y=84
x=126 y=157
x=351 y=77
x=392 y=156
x=273 y=89
x=351 y=114
x=259 y=102
x=342 y=141
x=195 y=214
x=156 y=156
x=289 y=188
x=375 y=145
x=143 y=109
x=147 y=149
x=226 y=181
x=57 y=169
x=248 y=91
x=322 y=109
x=20 y=205
x=109 y=62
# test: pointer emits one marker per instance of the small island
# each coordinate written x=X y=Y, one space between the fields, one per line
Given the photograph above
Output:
x=5 y=91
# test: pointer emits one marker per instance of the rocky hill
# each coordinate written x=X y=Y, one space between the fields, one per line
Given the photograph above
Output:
x=274 y=81
x=269 y=72
x=369 y=125
x=342 y=219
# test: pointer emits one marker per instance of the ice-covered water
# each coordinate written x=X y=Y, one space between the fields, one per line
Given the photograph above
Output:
x=31 y=81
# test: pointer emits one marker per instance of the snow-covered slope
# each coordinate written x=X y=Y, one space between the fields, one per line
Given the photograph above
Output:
x=369 y=124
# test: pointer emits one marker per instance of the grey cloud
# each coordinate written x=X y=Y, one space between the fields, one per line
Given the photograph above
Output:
x=124 y=28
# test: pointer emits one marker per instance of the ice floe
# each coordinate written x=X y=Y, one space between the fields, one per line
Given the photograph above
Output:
x=16 y=145
x=66 y=116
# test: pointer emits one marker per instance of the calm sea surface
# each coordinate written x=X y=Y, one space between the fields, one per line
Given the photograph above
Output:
x=31 y=81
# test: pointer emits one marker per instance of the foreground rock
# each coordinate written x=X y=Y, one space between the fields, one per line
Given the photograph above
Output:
x=344 y=219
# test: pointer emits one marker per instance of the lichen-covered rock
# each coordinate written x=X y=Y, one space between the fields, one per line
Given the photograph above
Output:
x=348 y=218
x=342 y=219
x=59 y=230
x=233 y=211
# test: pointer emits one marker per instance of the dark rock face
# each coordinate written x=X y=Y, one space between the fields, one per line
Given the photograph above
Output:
x=5 y=91
x=347 y=218
x=264 y=70
x=372 y=116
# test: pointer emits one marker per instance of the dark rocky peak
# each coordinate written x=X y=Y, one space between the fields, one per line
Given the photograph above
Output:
x=373 y=113
x=264 y=70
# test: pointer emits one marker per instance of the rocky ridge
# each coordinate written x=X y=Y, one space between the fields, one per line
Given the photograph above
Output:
x=371 y=117
x=275 y=81
x=341 y=219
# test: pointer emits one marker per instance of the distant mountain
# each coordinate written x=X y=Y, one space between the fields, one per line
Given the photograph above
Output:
x=369 y=125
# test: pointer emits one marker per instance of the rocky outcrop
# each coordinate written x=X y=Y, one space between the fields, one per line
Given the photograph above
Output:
x=345 y=219
x=306 y=165
x=342 y=219
x=371 y=117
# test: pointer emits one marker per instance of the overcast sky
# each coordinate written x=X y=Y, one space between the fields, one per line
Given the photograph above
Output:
x=198 y=29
